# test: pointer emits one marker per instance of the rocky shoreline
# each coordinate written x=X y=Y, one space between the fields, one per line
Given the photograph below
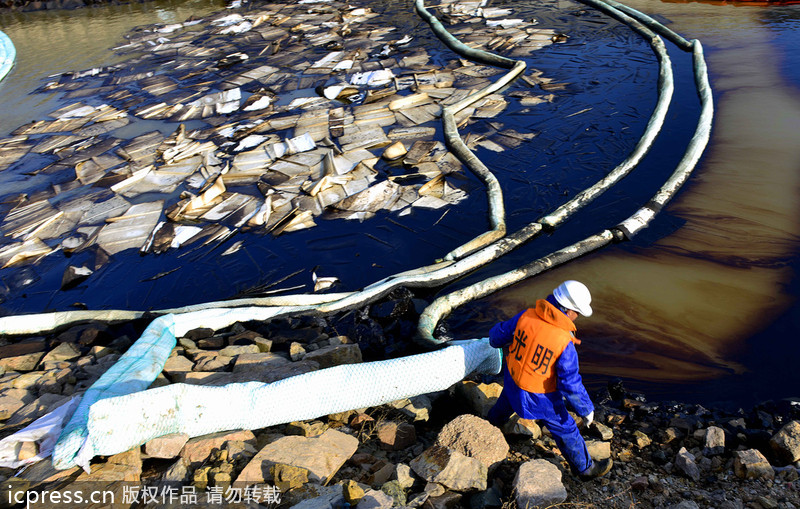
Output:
x=433 y=451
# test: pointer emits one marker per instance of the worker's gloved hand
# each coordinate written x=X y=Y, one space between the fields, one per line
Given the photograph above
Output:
x=587 y=419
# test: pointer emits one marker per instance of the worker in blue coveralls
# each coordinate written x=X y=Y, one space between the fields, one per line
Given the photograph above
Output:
x=541 y=370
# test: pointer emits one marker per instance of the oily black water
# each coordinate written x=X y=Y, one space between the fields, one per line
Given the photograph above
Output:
x=702 y=306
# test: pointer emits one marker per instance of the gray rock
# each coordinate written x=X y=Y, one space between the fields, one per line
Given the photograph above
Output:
x=394 y=490
x=187 y=344
x=335 y=355
x=686 y=504
x=167 y=446
x=264 y=345
x=213 y=363
x=126 y=466
x=239 y=450
x=598 y=450
x=32 y=411
x=480 y=397
x=199 y=333
x=641 y=440
x=476 y=438
x=21 y=363
x=176 y=368
x=449 y=500
x=306 y=429
x=27 y=381
x=234 y=350
x=786 y=443
x=396 y=436
x=751 y=464
x=375 y=499
x=199 y=448
x=417 y=407
x=382 y=471
x=434 y=489
x=211 y=343
x=491 y=498
x=403 y=475
x=601 y=430
x=450 y=468
x=322 y=456
x=538 y=484
x=258 y=361
x=331 y=497
x=417 y=500
x=714 y=441
x=12 y=400
x=177 y=473
x=684 y=461
x=522 y=427
x=63 y=352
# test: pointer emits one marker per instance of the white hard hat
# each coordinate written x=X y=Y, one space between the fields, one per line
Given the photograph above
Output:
x=575 y=296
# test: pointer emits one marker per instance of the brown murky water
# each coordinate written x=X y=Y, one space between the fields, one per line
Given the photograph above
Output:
x=51 y=42
x=683 y=309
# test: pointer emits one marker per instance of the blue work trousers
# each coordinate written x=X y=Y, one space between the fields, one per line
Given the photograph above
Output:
x=561 y=425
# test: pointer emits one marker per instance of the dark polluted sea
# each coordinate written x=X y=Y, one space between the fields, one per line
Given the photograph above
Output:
x=700 y=306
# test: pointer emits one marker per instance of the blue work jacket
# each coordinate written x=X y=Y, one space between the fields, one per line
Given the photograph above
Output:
x=549 y=406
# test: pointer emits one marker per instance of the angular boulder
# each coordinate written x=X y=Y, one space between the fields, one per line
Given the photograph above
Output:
x=329 y=497
x=450 y=468
x=167 y=446
x=396 y=436
x=480 y=397
x=476 y=438
x=684 y=461
x=375 y=499
x=261 y=361
x=176 y=368
x=63 y=352
x=12 y=400
x=751 y=464
x=322 y=456
x=199 y=448
x=598 y=449
x=538 y=484
x=417 y=407
x=335 y=355
x=786 y=443
x=523 y=427
x=714 y=441
x=126 y=466
x=21 y=363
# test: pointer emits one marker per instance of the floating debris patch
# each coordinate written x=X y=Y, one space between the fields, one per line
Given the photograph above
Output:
x=297 y=112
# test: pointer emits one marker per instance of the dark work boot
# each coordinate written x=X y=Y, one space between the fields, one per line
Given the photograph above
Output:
x=598 y=469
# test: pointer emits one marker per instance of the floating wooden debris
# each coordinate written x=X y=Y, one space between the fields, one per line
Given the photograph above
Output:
x=73 y=276
x=375 y=78
x=219 y=103
x=395 y=151
x=297 y=99
x=18 y=253
x=131 y=230
x=97 y=213
x=323 y=283
x=419 y=151
x=368 y=138
x=372 y=199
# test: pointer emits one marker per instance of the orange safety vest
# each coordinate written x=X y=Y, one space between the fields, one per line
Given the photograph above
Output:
x=541 y=336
